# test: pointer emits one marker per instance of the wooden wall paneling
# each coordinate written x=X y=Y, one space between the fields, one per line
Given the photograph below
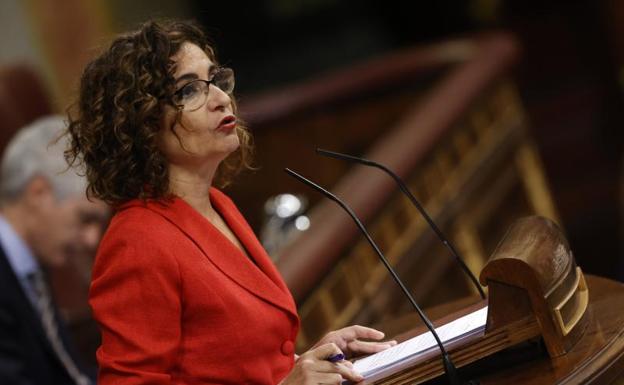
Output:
x=448 y=136
x=485 y=149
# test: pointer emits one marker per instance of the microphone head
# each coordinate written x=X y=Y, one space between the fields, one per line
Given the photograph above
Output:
x=297 y=176
x=341 y=156
x=305 y=180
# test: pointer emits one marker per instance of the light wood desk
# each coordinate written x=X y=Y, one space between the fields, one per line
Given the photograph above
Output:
x=597 y=358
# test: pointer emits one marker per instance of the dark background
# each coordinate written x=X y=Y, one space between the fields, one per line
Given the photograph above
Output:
x=570 y=77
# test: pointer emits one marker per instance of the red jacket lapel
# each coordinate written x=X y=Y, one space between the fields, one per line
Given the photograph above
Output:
x=261 y=279
x=246 y=236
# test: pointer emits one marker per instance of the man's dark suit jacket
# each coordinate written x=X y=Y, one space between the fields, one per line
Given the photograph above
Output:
x=26 y=355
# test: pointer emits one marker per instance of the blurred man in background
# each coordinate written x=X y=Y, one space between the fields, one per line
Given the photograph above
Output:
x=45 y=218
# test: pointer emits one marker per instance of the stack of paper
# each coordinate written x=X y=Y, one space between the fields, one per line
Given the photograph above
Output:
x=411 y=350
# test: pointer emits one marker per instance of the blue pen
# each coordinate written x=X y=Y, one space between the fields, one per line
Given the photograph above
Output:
x=336 y=357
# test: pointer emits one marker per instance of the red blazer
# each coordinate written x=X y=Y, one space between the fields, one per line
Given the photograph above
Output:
x=178 y=303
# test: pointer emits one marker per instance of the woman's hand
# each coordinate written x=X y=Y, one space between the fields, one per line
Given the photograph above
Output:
x=312 y=368
x=347 y=340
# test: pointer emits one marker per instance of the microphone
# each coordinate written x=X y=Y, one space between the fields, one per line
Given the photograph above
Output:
x=449 y=367
x=416 y=204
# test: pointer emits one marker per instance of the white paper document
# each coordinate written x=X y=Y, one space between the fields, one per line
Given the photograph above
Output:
x=412 y=349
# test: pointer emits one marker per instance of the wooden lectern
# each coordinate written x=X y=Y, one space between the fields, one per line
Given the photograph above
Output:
x=536 y=293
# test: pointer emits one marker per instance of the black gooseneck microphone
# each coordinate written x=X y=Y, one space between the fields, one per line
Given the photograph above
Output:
x=412 y=198
x=449 y=367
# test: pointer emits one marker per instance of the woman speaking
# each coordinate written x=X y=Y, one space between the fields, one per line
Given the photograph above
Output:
x=182 y=289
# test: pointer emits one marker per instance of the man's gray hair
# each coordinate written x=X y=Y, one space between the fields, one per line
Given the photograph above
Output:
x=37 y=150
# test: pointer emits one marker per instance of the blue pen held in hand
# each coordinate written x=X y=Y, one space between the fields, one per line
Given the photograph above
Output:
x=336 y=357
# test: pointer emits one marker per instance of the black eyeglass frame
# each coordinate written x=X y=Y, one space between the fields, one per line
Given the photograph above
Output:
x=212 y=81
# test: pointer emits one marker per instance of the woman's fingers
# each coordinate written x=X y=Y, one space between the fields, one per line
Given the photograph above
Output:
x=322 y=365
x=343 y=370
x=348 y=372
x=357 y=331
x=324 y=351
x=366 y=347
x=313 y=368
x=328 y=378
x=349 y=340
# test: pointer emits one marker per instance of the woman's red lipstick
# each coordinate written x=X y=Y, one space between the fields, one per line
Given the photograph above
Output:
x=227 y=124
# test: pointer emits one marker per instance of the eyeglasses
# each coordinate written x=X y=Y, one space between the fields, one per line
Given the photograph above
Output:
x=193 y=95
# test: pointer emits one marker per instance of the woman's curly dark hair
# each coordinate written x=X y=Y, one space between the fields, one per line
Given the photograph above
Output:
x=114 y=124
